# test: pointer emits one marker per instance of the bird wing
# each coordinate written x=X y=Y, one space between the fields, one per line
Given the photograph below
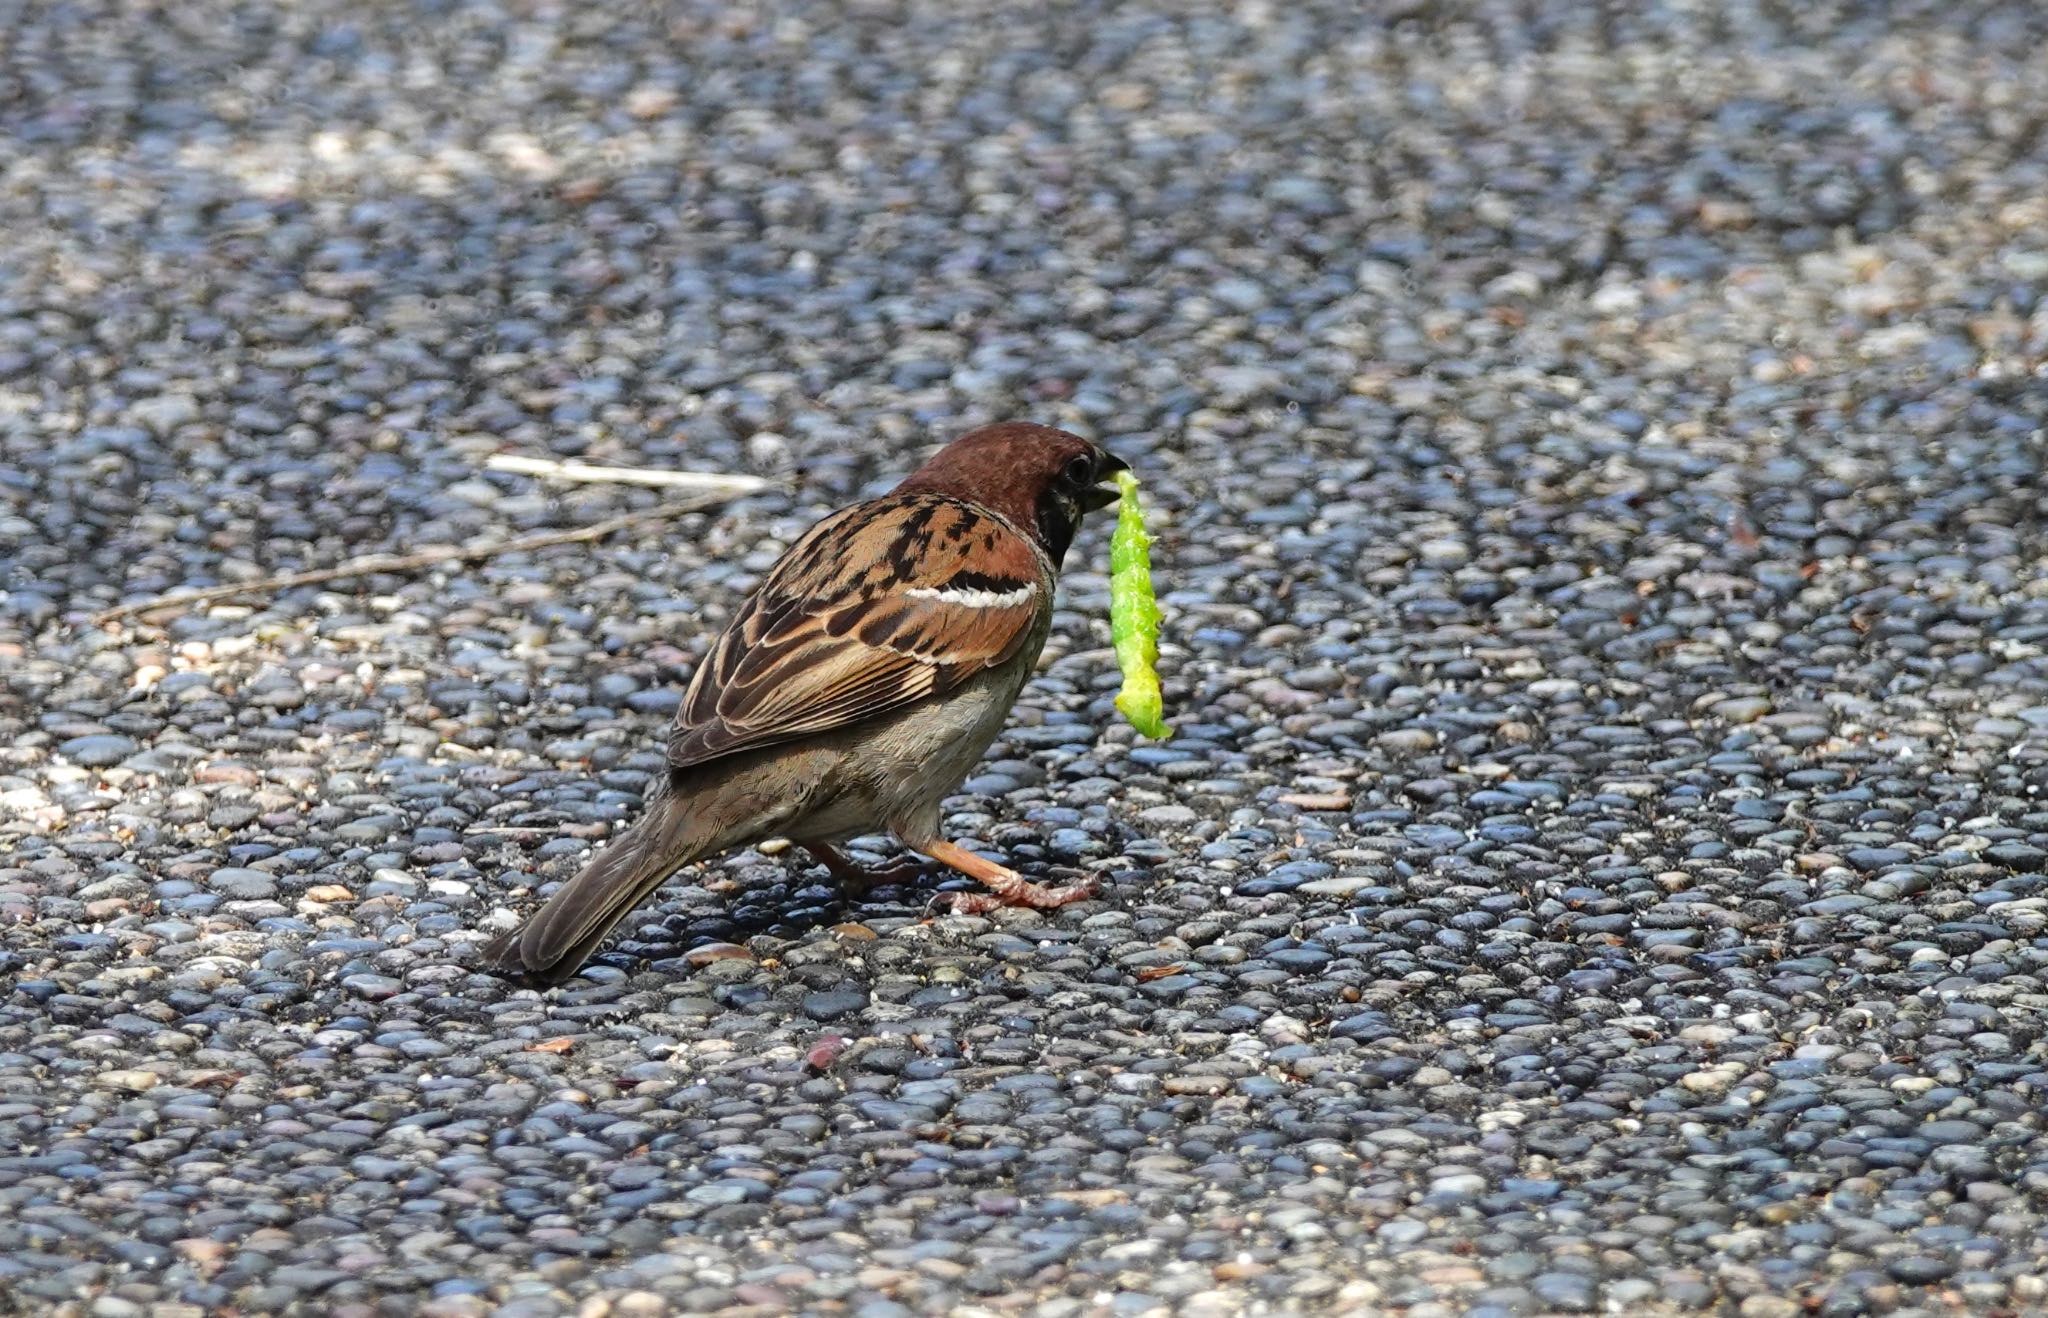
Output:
x=879 y=606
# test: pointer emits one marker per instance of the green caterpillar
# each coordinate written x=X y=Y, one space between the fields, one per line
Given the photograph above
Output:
x=1134 y=614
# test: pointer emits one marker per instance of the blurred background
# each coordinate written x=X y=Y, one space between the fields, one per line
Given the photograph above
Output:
x=1596 y=453
x=278 y=276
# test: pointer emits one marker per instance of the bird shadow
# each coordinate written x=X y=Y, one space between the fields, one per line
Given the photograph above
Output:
x=791 y=902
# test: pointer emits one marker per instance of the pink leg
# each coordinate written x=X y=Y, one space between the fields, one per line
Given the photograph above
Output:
x=1006 y=887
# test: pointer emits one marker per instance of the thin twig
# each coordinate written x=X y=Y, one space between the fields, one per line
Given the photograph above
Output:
x=584 y=471
x=372 y=563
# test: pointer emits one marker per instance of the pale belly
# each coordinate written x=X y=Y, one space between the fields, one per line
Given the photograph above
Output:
x=904 y=767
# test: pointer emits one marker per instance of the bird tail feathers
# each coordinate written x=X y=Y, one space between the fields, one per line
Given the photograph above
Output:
x=555 y=943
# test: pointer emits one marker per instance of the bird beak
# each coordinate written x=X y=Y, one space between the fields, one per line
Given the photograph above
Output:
x=1103 y=496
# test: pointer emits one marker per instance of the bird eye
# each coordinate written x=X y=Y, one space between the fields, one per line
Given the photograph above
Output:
x=1080 y=471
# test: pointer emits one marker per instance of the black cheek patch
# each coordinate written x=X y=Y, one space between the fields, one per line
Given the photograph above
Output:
x=1056 y=519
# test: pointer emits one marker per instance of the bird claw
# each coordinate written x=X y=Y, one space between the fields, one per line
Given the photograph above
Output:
x=1015 y=892
x=903 y=869
x=858 y=880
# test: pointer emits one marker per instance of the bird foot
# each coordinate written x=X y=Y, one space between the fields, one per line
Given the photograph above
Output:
x=1023 y=892
x=1006 y=887
x=857 y=879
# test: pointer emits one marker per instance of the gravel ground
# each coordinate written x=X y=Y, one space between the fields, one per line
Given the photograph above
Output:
x=1601 y=864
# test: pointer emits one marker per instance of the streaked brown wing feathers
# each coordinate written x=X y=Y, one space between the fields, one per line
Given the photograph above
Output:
x=879 y=606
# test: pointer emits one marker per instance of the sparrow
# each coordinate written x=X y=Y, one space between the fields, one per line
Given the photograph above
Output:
x=855 y=688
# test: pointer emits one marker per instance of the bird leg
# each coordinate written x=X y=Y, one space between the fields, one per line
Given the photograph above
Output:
x=859 y=879
x=1006 y=887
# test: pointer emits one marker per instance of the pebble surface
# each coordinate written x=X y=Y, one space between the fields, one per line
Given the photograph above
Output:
x=1603 y=861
